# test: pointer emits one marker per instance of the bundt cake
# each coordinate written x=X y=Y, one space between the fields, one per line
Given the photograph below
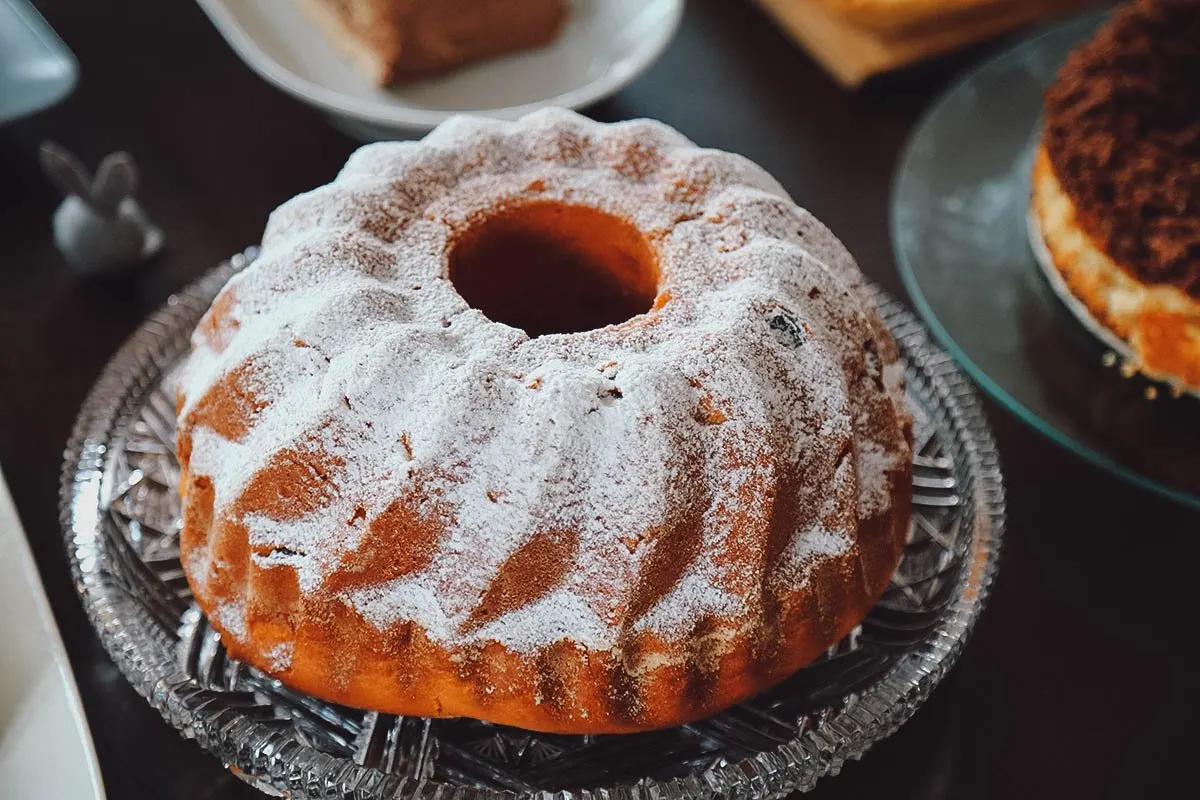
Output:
x=1116 y=183
x=568 y=426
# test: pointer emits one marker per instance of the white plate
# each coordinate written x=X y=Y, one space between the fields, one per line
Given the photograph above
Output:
x=45 y=748
x=604 y=45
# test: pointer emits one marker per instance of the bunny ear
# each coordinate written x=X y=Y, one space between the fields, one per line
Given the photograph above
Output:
x=115 y=180
x=65 y=170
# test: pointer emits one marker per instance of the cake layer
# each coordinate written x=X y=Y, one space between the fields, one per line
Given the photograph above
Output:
x=1160 y=323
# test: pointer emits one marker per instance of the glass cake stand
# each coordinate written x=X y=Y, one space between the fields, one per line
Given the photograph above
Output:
x=962 y=242
x=120 y=515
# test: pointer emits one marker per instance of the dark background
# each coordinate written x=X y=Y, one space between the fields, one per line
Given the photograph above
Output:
x=1076 y=683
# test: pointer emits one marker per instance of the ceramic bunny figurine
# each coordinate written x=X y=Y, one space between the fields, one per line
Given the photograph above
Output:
x=99 y=228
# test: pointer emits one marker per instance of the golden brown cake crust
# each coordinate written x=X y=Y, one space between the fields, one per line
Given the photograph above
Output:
x=565 y=689
x=1122 y=133
x=401 y=40
x=393 y=501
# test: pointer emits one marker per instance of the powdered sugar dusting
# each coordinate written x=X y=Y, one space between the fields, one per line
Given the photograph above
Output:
x=232 y=619
x=693 y=598
x=560 y=616
x=368 y=361
x=279 y=657
x=875 y=462
x=400 y=600
x=815 y=543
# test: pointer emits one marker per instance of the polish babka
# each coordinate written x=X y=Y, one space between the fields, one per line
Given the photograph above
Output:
x=563 y=425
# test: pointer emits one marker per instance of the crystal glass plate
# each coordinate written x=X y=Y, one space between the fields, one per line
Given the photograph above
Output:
x=120 y=514
x=960 y=232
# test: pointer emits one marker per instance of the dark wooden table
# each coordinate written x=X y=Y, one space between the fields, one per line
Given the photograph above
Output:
x=1076 y=683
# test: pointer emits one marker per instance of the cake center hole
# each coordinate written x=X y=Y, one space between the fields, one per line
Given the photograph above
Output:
x=555 y=268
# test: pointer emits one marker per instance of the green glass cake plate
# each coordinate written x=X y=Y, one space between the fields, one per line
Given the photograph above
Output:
x=959 y=228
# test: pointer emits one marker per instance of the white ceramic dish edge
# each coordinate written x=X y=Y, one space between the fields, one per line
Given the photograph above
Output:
x=226 y=15
x=46 y=750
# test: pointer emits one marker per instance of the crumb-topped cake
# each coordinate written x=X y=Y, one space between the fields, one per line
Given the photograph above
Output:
x=1116 y=187
x=568 y=426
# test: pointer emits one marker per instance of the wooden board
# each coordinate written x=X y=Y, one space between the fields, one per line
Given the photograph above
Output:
x=852 y=53
x=900 y=17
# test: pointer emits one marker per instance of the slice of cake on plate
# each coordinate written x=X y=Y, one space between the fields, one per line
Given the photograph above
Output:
x=401 y=40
